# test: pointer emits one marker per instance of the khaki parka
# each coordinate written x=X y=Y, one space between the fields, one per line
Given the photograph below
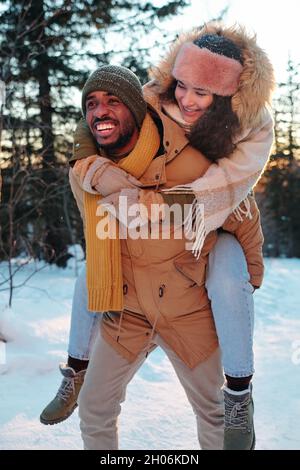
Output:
x=164 y=284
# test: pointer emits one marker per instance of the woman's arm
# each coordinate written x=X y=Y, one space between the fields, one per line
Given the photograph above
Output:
x=84 y=144
x=246 y=163
x=227 y=183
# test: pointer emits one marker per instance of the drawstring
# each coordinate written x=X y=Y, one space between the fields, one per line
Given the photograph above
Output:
x=239 y=212
x=125 y=290
x=160 y=174
x=161 y=293
x=151 y=334
x=119 y=329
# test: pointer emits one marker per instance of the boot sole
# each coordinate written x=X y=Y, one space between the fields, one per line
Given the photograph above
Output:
x=59 y=420
x=253 y=443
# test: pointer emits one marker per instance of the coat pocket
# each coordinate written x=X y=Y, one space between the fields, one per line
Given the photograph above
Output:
x=192 y=268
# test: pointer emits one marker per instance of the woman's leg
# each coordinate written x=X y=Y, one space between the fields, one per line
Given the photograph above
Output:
x=84 y=324
x=83 y=331
x=231 y=296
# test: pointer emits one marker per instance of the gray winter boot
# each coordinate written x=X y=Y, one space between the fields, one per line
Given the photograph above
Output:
x=65 y=402
x=239 y=427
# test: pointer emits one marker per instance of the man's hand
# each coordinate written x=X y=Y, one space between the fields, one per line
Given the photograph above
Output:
x=148 y=202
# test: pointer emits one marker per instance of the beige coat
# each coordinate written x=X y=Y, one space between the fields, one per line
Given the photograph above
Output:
x=164 y=284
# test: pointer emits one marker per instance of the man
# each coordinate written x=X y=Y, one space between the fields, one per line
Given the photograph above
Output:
x=165 y=301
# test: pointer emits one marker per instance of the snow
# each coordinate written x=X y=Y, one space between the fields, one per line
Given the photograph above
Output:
x=156 y=414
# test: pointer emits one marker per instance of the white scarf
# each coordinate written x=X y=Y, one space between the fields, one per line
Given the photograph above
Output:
x=224 y=188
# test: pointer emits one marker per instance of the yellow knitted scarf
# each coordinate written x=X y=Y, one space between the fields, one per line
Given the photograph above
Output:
x=103 y=257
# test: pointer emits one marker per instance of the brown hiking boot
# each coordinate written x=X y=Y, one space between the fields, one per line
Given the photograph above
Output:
x=239 y=427
x=65 y=402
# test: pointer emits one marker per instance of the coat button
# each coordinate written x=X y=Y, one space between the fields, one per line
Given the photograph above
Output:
x=125 y=289
x=161 y=290
x=167 y=143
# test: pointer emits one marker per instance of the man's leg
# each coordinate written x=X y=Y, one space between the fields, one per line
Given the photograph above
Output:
x=84 y=326
x=202 y=386
x=103 y=391
x=231 y=296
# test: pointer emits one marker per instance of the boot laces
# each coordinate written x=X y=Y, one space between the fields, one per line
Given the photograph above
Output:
x=236 y=413
x=66 y=389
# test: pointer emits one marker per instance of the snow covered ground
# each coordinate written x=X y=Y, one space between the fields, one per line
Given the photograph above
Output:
x=156 y=414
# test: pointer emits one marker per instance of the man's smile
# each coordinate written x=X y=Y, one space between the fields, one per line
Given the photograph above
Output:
x=105 y=128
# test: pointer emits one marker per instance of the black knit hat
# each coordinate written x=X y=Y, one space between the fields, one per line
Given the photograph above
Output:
x=220 y=45
x=122 y=83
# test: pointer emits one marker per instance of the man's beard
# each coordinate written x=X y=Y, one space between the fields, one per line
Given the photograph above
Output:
x=113 y=147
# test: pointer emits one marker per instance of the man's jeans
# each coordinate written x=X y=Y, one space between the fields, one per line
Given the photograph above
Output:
x=230 y=293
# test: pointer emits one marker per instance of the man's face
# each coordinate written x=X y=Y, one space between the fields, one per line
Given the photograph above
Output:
x=111 y=122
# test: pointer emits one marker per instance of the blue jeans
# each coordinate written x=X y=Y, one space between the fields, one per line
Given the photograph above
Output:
x=231 y=296
x=84 y=324
x=230 y=293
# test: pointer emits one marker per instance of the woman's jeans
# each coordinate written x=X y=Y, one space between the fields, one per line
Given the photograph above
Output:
x=230 y=293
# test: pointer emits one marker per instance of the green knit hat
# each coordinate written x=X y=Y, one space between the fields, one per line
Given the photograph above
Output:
x=122 y=83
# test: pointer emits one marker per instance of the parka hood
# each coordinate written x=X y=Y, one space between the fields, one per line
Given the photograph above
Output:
x=256 y=82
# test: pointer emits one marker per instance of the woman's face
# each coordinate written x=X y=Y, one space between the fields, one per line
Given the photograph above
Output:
x=192 y=102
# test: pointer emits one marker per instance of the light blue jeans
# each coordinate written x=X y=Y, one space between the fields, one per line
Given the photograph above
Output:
x=230 y=293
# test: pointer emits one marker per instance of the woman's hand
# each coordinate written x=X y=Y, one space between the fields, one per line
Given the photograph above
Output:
x=151 y=205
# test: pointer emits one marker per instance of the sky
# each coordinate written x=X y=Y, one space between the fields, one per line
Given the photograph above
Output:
x=276 y=24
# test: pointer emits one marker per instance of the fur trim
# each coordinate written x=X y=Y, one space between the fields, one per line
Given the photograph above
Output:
x=256 y=82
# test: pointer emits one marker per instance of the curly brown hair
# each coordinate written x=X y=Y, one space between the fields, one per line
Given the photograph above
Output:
x=213 y=133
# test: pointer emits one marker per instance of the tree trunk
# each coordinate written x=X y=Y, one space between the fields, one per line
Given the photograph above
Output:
x=55 y=236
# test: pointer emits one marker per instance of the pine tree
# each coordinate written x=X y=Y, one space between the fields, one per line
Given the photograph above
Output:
x=282 y=195
x=47 y=51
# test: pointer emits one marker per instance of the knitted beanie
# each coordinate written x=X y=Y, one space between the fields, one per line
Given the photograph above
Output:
x=122 y=83
x=211 y=62
x=220 y=45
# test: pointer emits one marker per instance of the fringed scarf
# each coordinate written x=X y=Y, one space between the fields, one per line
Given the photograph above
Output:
x=104 y=267
x=222 y=191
